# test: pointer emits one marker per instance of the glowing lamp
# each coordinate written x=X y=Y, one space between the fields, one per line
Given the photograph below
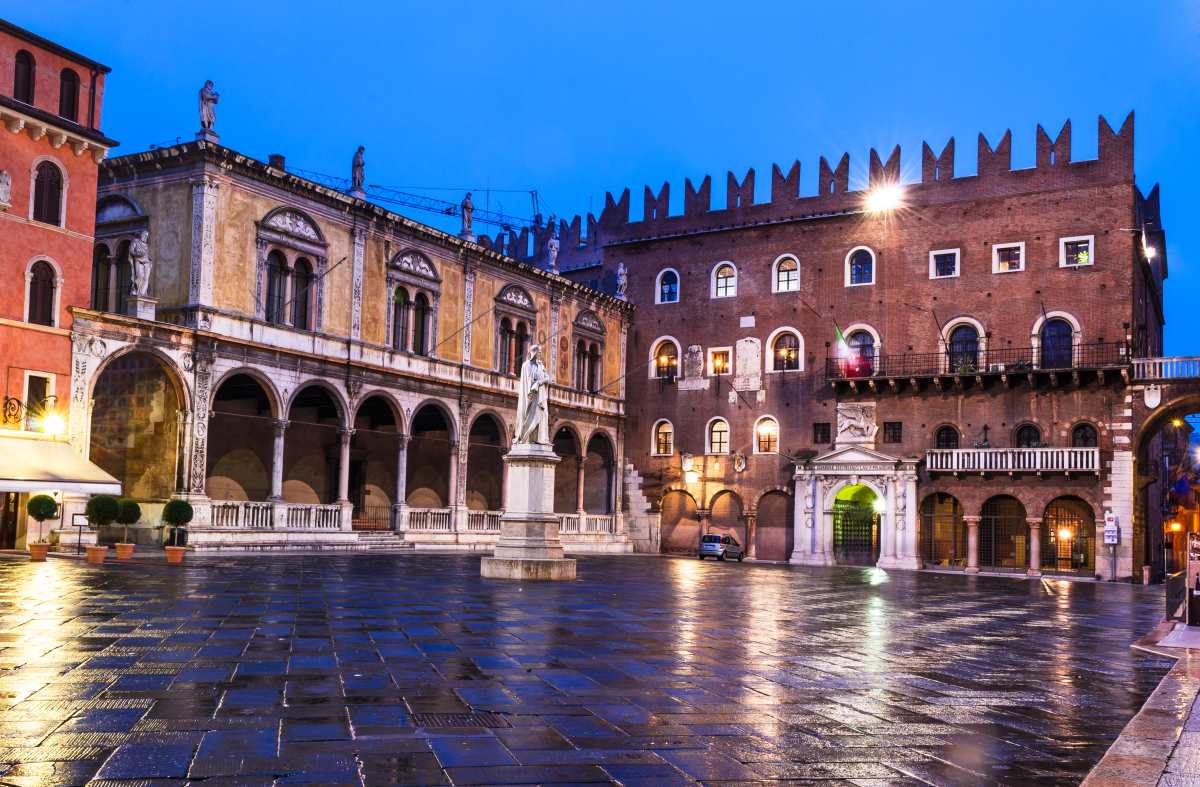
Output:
x=884 y=198
x=691 y=476
x=1064 y=534
x=879 y=505
x=53 y=424
x=1176 y=422
x=1175 y=527
x=1150 y=252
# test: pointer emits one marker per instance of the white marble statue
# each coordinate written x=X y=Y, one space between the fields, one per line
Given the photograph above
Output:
x=468 y=216
x=552 y=247
x=533 y=401
x=5 y=187
x=622 y=280
x=139 y=257
x=208 y=106
x=358 y=170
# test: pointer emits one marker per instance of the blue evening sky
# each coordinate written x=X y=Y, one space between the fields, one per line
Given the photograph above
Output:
x=574 y=99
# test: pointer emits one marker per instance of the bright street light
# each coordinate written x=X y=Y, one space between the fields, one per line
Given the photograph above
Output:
x=885 y=198
x=53 y=424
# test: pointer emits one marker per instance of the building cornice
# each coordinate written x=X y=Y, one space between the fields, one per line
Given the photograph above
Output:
x=18 y=116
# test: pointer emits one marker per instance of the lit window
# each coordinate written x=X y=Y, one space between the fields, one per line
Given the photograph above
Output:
x=1075 y=252
x=1008 y=258
x=668 y=287
x=861 y=360
x=785 y=354
x=664 y=438
x=718 y=361
x=766 y=436
x=718 y=437
x=37 y=402
x=666 y=361
x=860 y=267
x=943 y=264
x=787 y=275
x=725 y=281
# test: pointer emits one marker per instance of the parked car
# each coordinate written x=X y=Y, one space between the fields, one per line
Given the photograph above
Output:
x=721 y=547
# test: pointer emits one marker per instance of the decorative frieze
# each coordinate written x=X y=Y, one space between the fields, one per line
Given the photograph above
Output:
x=204 y=230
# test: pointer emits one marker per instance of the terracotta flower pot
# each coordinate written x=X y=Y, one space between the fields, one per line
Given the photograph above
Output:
x=124 y=551
x=175 y=555
x=37 y=551
x=96 y=553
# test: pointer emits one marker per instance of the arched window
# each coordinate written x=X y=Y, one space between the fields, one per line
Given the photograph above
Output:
x=1057 y=336
x=47 y=194
x=23 y=77
x=787 y=275
x=1028 y=436
x=521 y=348
x=860 y=267
x=668 y=287
x=861 y=362
x=724 y=281
x=68 y=94
x=785 y=352
x=581 y=365
x=420 y=344
x=946 y=437
x=664 y=438
x=41 y=293
x=766 y=436
x=593 y=368
x=277 y=274
x=301 y=294
x=124 y=279
x=666 y=360
x=1084 y=436
x=101 y=275
x=964 y=349
x=718 y=436
x=400 y=308
x=507 y=340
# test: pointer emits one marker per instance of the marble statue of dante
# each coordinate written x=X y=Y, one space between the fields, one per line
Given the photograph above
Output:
x=358 y=170
x=139 y=256
x=468 y=212
x=552 y=247
x=208 y=106
x=622 y=280
x=533 y=401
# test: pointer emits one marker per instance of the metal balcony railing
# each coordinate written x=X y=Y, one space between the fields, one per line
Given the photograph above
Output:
x=1004 y=360
x=1013 y=460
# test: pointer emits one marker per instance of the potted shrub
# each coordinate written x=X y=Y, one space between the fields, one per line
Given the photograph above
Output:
x=128 y=512
x=41 y=508
x=101 y=510
x=176 y=514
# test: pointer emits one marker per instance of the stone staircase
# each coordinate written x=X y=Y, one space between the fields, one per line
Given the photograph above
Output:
x=382 y=541
x=640 y=522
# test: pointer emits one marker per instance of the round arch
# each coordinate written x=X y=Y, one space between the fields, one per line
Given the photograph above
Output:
x=335 y=393
x=942 y=531
x=865 y=481
x=496 y=416
x=174 y=373
x=754 y=434
x=786 y=256
x=264 y=380
x=981 y=337
x=1068 y=536
x=287 y=222
x=708 y=428
x=769 y=355
x=568 y=482
x=655 y=448
x=447 y=411
x=862 y=326
x=65 y=176
x=774 y=533
x=658 y=286
x=485 y=462
x=680 y=522
x=600 y=473
x=726 y=515
x=874 y=268
x=572 y=430
x=652 y=356
x=390 y=399
x=712 y=279
x=241 y=437
x=1003 y=534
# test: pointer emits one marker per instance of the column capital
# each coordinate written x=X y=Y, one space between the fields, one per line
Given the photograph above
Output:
x=402 y=440
x=971 y=519
x=280 y=425
x=1034 y=521
x=345 y=433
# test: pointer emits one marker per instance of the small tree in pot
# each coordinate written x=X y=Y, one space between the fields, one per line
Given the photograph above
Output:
x=128 y=513
x=101 y=510
x=41 y=508
x=176 y=514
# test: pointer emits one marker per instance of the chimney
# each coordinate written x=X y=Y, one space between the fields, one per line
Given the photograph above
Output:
x=276 y=161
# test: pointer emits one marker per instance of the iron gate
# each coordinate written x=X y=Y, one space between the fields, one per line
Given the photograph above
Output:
x=1068 y=538
x=943 y=532
x=855 y=534
x=1003 y=535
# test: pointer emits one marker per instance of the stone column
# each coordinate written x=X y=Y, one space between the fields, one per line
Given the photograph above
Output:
x=579 y=481
x=280 y=425
x=452 y=482
x=1035 y=546
x=399 y=502
x=972 y=523
x=887 y=525
x=751 y=529
x=344 y=437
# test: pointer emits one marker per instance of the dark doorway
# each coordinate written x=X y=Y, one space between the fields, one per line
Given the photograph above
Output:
x=8 y=520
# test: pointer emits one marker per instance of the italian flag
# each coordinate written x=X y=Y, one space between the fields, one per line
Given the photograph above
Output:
x=842 y=347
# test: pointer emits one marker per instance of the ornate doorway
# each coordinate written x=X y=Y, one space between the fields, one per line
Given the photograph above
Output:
x=856 y=527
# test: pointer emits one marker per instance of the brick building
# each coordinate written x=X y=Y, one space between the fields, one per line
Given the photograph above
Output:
x=930 y=373
x=50 y=148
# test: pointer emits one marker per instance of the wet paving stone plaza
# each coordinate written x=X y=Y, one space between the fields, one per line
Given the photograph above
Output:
x=383 y=669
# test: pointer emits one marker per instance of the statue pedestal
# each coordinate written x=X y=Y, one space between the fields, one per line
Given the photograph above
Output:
x=529 y=547
x=141 y=307
x=208 y=136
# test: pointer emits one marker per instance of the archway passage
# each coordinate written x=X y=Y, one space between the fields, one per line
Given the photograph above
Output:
x=598 y=474
x=135 y=426
x=240 y=441
x=373 y=464
x=566 y=472
x=725 y=518
x=943 y=532
x=1003 y=535
x=680 y=524
x=774 y=534
x=429 y=458
x=1163 y=455
x=1069 y=537
x=856 y=526
x=485 y=465
x=311 y=449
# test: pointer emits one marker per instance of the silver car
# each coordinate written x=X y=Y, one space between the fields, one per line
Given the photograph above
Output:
x=721 y=547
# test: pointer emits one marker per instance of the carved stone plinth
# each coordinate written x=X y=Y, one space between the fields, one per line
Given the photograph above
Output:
x=209 y=136
x=141 y=307
x=529 y=547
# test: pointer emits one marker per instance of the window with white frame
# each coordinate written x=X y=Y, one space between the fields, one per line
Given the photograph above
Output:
x=664 y=438
x=39 y=400
x=724 y=282
x=766 y=436
x=785 y=351
x=720 y=361
x=787 y=275
x=717 y=437
x=666 y=289
x=1008 y=257
x=860 y=267
x=943 y=263
x=1076 y=252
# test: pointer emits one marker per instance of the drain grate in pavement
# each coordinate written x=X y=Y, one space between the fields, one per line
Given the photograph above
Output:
x=489 y=720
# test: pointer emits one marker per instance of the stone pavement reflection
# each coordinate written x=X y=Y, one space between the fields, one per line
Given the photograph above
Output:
x=411 y=669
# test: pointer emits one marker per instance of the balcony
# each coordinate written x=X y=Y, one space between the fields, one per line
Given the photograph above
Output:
x=251 y=515
x=1013 y=460
x=960 y=369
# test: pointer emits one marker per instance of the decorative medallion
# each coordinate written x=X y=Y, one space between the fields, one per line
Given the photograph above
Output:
x=295 y=223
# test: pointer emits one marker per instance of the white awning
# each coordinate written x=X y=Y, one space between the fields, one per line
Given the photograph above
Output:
x=32 y=463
